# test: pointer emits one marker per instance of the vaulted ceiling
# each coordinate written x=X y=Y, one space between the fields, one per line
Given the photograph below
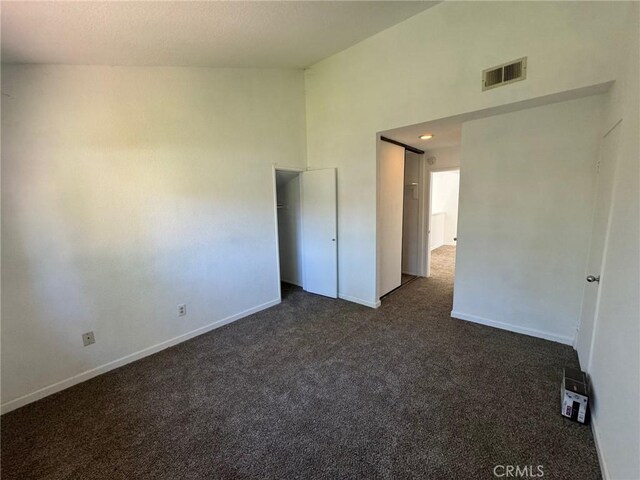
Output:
x=262 y=34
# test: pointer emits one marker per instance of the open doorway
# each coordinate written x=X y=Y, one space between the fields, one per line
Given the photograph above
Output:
x=444 y=188
x=289 y=224
x=504 y=258
x=415 y=179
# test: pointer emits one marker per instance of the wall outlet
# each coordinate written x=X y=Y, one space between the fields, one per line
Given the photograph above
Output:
x=88 y=338
x=182 y=310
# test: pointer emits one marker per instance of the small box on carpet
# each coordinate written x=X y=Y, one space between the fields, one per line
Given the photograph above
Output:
x=574 y=395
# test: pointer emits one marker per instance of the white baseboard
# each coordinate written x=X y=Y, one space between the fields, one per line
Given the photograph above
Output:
x=532 y=332
x=366 y=303
x=297 y=284
x=94 y=372
x=596 y=439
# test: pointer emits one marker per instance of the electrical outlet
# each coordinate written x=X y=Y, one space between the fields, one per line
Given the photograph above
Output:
x=88 y=338
x=182 y=310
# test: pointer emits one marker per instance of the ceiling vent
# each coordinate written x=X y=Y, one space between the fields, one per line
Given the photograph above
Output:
x=504 y=74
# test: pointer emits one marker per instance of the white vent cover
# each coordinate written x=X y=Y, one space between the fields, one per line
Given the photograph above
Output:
x=504 y=74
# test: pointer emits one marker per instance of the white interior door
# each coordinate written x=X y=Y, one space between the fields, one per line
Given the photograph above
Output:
x=390 y=198
x=319 y=232
x=606 y=172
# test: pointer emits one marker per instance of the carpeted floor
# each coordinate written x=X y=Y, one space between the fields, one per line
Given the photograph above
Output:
x=406 y=278
x=317 y=388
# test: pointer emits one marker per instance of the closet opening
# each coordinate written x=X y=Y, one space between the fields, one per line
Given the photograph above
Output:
x=289 y=230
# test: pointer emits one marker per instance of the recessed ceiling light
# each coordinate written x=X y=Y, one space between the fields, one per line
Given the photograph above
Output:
x=426 y=136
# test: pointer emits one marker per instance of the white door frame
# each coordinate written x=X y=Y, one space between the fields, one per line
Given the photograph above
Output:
x=274 y=169
x=425 y=240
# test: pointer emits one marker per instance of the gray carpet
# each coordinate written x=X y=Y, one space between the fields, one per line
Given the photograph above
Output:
x=317 y=388
x=406 y=278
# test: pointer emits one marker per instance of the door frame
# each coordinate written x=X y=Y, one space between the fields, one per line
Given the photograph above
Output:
x=274 y=185
x=425 y=240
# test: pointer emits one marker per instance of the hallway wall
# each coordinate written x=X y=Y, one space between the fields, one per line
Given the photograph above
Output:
x=526 y=188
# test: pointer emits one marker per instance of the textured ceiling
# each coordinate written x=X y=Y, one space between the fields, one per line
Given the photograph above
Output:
x=216 y=33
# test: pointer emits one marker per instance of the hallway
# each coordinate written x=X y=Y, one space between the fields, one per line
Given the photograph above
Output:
x=443 y=263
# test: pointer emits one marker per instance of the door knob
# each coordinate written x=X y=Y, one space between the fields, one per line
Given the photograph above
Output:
x=592 y=279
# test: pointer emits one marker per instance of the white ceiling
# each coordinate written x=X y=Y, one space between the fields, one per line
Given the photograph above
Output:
x=446 y=133
x=184 y=33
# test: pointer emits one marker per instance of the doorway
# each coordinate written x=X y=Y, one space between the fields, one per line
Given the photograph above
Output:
x=412 y=176
x=444 y=191
x=289 y=225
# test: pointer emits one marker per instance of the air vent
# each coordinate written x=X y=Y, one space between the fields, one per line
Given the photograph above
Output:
x=504 y=74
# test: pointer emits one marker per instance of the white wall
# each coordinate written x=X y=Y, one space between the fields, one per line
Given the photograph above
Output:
x=290 y=231
x=411 y=213
x=436 y=231
x=526 y=188
x=615 y=359
x=126 y=191
x=444 y=199
x=358 y=92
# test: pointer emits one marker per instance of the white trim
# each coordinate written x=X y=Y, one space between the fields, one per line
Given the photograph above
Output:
x=274 y=173
x=94 y=372
x=366 y=303
x=596 y=439
x=423 y=208
x=532 y=332
x=284 y=168
x=612 y=128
